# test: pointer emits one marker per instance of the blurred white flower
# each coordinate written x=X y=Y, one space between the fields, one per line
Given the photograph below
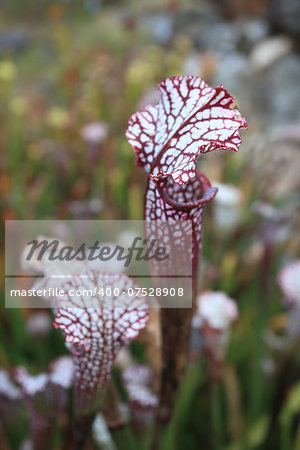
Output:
x=227 y=206
x=7 y=388
x=211 y=328
x=45 y=396
x=85 y=209
x=94 y=132
x=39 y=324
x=101 y=433
x=268 y=366
x=10 y=398
x=126 y=238
x=137 y=379
x=95 y=205
x=289 y=281
x=112 y=265
x=217 y=310
x=46 y=266
x=54 y=272
x=275 y=223
x=26 y=445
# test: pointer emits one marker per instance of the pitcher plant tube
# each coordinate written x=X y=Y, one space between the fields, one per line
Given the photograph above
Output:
x=190 y=119
x=95 y=328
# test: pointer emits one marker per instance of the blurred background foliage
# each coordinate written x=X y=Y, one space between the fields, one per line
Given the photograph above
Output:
x=67 y=64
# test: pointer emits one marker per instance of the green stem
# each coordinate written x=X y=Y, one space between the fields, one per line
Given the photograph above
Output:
x=82 y=430
x=216 y=416
x=124 y=438
x=285 y=436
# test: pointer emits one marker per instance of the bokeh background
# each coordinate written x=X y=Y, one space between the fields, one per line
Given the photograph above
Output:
x=71 y=74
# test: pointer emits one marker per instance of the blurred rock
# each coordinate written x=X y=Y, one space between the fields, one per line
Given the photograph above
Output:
x=193 y=22
x=286 y=132
x=253 y=30
x=268 y=51
x=232 y=71
x=278 y=175
x=220 y=38
x=92 y=6
x=274 y=93
x=236 y=8
x=284 y=91
x=285 y=16
x=14 y=41
x=160 y=26
x=199 y=64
